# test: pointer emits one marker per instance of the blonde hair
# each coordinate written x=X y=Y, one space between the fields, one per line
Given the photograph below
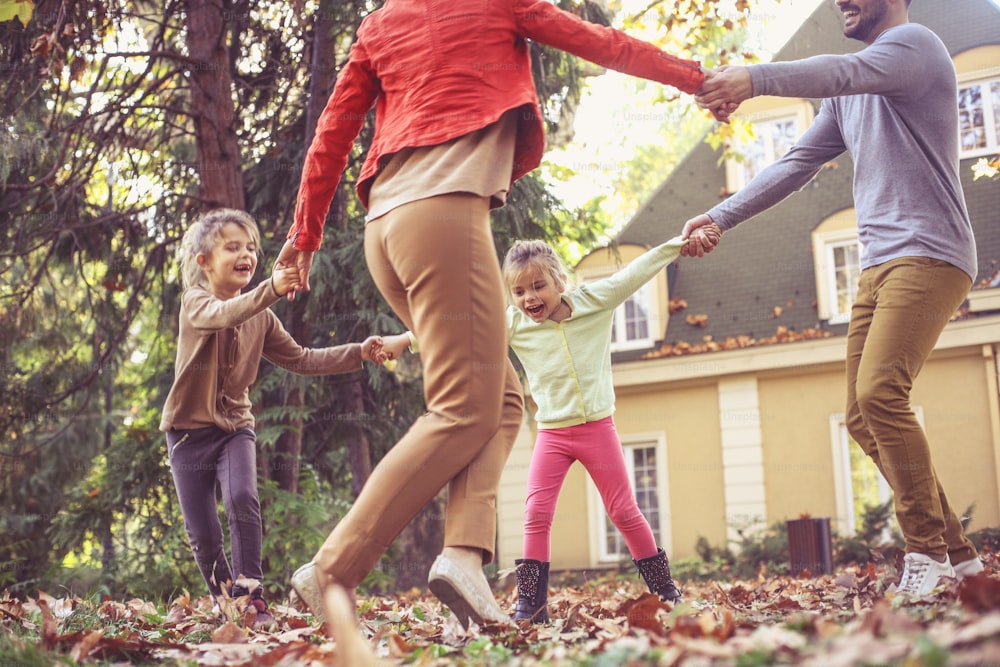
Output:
x=201 y=236
x=535 y=254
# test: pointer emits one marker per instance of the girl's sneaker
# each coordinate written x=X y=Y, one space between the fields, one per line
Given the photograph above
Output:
x=263 y=619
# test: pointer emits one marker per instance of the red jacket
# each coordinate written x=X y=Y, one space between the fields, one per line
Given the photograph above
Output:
x=439 y=69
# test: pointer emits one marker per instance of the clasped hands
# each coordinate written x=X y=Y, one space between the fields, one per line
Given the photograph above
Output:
x=723 y=90
x=721 y=93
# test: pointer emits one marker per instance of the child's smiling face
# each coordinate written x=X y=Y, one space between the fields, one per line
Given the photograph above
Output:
x=231 y=264
x=535 y=293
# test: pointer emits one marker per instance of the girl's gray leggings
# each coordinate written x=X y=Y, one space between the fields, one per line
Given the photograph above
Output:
x=201 y=459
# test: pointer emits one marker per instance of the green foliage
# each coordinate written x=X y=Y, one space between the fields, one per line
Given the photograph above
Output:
x=877 y=534
x=28 y=652
x=99 y=178
x=766 y=550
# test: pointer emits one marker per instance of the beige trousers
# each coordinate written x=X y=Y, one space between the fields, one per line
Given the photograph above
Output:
x=435 y=263
x=901 y=308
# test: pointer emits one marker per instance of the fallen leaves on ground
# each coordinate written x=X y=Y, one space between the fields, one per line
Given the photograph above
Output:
x=847 y=618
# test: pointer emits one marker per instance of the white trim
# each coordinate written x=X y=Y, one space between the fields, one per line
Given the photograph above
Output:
x=844 y=520
x=984 y=300
x=742 y=455
x=800 y=357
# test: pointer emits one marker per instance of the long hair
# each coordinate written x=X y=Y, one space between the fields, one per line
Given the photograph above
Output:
x=201 y=236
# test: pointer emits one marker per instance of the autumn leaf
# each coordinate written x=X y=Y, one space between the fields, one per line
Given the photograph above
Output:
x=697 y=320
x=839 y=619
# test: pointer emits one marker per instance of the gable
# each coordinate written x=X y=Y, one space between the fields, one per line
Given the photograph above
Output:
x=762 y=276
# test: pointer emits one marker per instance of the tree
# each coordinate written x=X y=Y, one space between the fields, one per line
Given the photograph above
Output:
x=123 y=120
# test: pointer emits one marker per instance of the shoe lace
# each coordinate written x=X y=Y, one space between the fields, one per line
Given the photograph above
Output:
x=914 y=573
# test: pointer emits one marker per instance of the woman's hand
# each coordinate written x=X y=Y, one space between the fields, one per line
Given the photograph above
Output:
x=301 y=260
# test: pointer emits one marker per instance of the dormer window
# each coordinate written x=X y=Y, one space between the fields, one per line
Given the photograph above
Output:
x=774 y=131
x=639 y=321
x=979 y=117
x=837 y=258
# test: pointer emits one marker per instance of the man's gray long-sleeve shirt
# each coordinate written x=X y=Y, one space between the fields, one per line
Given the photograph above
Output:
x=894 y=107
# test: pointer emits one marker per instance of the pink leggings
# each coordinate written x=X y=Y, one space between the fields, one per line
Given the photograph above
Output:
x=596 y=445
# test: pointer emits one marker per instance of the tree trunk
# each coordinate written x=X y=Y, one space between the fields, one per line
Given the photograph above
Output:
x=288 y=448
x=219 y=166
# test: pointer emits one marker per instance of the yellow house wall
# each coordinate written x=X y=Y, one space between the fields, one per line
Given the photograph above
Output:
x=954 y=395
x=799 y=387
x=570 y=530
x=688 y=415
x=795 y=427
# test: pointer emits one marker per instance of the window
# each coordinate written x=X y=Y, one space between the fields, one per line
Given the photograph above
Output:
x=859 y=484
x=837 y=255
x=772 y=136
x=637 y=322
x=631 y=327
x=979 y=117
x=844 y=264
x=645 y=459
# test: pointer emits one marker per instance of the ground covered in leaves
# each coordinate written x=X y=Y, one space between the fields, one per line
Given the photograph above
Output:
x=849 y=618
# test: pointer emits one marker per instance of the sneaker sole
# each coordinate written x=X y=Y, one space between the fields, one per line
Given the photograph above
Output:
x=449 y=585
x=307 y=588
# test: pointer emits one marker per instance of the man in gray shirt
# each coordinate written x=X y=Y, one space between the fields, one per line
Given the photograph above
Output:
x=893 y=103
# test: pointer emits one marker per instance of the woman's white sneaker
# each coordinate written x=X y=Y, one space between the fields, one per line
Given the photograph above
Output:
x=307 y=586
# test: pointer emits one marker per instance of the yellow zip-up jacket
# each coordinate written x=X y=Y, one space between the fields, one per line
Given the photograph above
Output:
x=568 y=363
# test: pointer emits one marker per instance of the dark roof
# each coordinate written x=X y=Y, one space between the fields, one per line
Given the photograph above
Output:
x=767 y=262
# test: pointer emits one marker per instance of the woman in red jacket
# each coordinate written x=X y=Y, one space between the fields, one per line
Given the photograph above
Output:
x=457 y=121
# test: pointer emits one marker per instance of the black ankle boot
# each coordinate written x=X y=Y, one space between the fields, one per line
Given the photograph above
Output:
x=655 y=570
x=532 y=590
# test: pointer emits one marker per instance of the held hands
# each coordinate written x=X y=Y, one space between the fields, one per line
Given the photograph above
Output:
x=371 y=349
x=301 y=260
x=395 y=345
x=702 y=234
x=385 y=349
x=723 y=91
x=284 y=279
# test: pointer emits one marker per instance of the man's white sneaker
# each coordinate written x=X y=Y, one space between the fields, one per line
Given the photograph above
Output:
x=921 y=575
x=968 y=568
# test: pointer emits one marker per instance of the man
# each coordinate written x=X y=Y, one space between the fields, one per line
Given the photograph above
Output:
x=892 y=103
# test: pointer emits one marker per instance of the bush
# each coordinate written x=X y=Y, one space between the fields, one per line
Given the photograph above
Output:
x=766 y=550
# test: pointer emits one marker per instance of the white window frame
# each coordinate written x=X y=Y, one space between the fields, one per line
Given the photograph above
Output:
x=991 y=115
x=801 y=114
x=599 y=517
x=648 y=296
x=824 y=244
x=841 y=444
x=643 y=298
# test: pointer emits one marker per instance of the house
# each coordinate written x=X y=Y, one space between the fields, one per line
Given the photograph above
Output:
x=729 y=370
